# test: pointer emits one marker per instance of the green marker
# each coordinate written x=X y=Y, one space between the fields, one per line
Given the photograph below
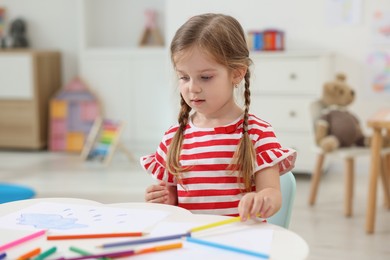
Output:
x=46 y=253
x=84 y=253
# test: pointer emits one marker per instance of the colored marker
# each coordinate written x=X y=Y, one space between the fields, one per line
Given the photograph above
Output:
x=3 y=255
x=226 y=247
x=83 y=252
x=103 y=255
x=102 y=235
x=29 y=254
x=159 y=248
x=144 y=241
x=46 y=253
x=22 y=240
x=129 y=252
x=215 y=224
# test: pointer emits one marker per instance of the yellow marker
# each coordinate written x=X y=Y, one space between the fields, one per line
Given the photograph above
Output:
x=216 y=224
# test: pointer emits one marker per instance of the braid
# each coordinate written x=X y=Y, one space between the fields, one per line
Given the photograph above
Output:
x=244 y=157
x=183 y=114
x=173 y=155
x=247 y=98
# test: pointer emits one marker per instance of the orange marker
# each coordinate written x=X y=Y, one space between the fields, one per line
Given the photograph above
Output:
x=159 y=248
x=29 y=254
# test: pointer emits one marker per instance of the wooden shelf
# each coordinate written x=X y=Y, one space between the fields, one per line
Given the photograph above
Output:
x=32 y=77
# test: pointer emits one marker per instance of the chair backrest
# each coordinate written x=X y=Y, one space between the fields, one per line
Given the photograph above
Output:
x=288 y=187
x=316 y=107
x=11 y=192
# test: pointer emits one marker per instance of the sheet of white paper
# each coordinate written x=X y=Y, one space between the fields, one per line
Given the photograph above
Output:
x=79 y=219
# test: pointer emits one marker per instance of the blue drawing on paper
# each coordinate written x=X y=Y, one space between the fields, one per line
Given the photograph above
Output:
x=49 y=221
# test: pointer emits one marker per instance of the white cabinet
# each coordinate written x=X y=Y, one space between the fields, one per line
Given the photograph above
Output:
x=283 y=85
x=28 y=79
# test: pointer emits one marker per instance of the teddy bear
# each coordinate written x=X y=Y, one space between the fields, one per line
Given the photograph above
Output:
x=18 y=31
x=337 y=127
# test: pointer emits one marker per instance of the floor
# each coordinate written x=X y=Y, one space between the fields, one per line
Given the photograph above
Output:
x=329 y=234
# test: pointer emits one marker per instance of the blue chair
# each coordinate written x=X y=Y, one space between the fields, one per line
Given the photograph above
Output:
x=288 y=187
x=11 y=192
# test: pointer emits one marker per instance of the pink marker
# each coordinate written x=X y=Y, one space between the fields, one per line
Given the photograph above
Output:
x=22 y=240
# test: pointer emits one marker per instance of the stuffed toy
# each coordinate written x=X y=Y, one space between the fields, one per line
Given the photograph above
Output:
x=336 y=127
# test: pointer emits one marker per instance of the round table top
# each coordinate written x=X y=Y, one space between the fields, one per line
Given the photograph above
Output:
x=285 y=243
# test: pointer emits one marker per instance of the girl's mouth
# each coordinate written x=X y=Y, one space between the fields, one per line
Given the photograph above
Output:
x=197 y=101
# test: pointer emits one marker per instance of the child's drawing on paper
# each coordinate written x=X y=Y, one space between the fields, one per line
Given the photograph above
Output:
x=69 y=218
x=49 y=221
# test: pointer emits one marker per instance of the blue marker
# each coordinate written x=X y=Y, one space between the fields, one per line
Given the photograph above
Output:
x=226 y=247
x=3 y=255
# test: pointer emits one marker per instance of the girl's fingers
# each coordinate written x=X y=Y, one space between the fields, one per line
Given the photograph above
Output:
x=161 y=200
x=155 y=187
x=257 y=206
x=154 y=196
x=155 y=193
x=266 y=208
x=245 y=205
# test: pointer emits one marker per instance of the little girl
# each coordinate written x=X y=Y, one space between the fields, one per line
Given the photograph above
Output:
x=219 y=158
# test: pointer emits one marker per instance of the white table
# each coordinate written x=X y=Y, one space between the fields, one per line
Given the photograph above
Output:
x=285 y=243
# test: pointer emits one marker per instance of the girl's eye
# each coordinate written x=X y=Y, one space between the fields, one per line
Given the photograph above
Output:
x=206 y=77
x=184 y=78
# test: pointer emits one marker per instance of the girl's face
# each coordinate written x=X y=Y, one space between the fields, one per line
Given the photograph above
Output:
x=206 y=86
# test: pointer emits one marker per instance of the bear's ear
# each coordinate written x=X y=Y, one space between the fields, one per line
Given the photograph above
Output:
x=330 y=89
x=341 y=77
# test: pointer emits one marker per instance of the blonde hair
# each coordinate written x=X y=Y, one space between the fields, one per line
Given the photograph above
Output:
x=222 y=37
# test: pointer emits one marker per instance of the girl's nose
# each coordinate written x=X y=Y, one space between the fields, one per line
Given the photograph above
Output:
x=194 y=87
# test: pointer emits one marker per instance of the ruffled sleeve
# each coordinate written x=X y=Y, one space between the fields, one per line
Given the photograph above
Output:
x=285 y=158
x=269 y=152
x=154 y=164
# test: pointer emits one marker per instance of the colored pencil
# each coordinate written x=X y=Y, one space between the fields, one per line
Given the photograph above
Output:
x=22 y=240
x=3 y=255
x=128 y=252
x=109 y=255
x=159 y=248
x=226 y=247
x=83 y=252
x=29 y=254
x=46 y=253
x=215 y=224
x=93 y=236
x=144 y=241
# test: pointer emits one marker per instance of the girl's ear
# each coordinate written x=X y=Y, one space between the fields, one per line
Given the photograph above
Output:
x=238 y=75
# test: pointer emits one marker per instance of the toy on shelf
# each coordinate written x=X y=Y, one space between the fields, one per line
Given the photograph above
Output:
x=73 y=112
x=103 y=140
x=151 y=34
x=18 y=32
x=266 y=40
x=2 y=28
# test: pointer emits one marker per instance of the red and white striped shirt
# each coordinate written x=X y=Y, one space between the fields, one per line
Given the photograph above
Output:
x=209 y=188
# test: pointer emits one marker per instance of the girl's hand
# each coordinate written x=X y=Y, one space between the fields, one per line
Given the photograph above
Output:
x=161 y=193
x=264 y=204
